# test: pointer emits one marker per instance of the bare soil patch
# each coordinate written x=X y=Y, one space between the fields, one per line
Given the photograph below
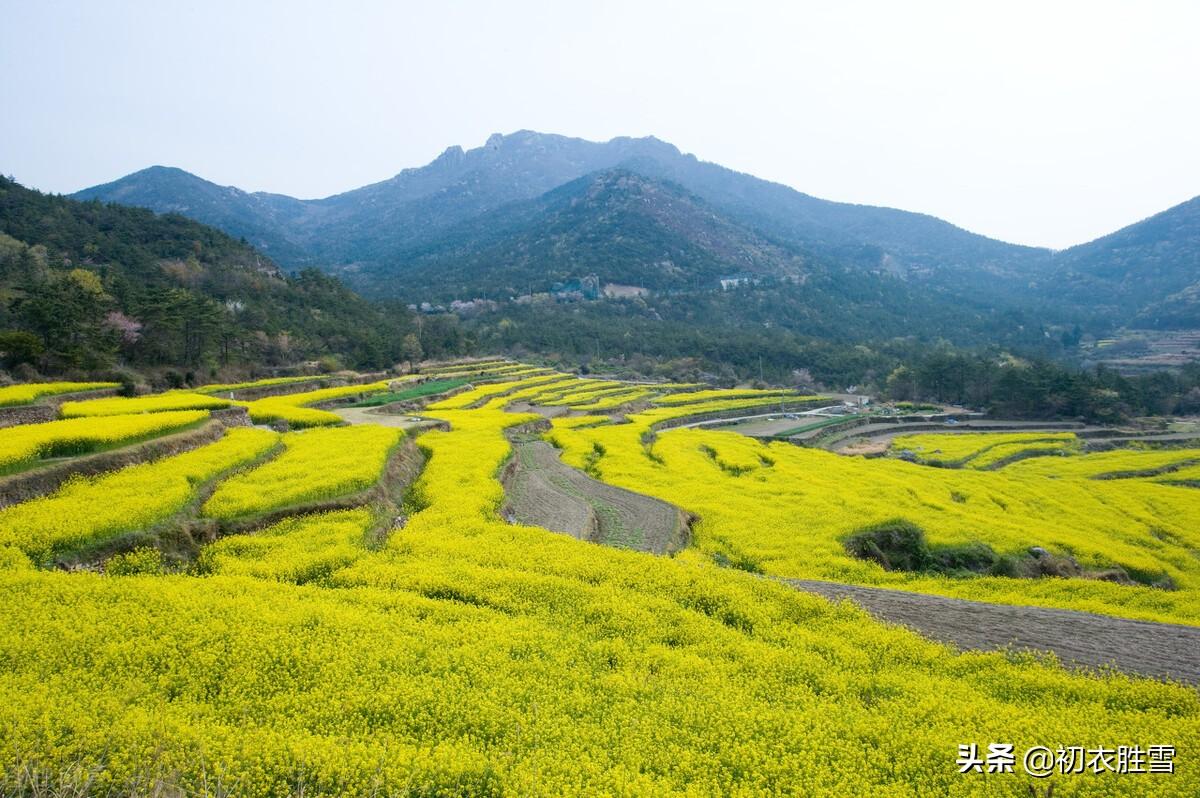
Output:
x=1079 y=639
x=384 y=418
x=543 y=491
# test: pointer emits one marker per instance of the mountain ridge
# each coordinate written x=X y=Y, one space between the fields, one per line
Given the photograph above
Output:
x=526 y=164
x=373 y=231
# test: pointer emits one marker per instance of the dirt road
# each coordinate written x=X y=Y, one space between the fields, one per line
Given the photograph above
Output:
x=368 y=415
x=543 y=491
x=1080 y=639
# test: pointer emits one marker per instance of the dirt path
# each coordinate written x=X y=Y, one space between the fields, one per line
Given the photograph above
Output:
x=543 y=491
x=1080 y=639
x=369 y=415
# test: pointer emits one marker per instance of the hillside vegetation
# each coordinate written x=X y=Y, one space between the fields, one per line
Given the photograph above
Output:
x=449 y=222
x=84 y=285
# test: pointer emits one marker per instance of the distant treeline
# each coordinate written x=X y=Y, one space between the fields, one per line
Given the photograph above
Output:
x=1008 y=386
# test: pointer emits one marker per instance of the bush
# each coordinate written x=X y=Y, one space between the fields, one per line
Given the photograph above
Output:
x=900 y=545
x=897 y=545
x=976 y=558
x=17 y=347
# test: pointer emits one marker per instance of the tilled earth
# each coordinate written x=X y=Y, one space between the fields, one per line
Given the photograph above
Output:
x=543 y=491
x=1079 y=639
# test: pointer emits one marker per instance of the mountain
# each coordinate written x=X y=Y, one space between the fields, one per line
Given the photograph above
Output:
x=675 y=277
x=625 y=228
x=494 y=219
x=1148 y=272
x=376 y=223
x=262 y=219
x=84 y=285
x=373 y=222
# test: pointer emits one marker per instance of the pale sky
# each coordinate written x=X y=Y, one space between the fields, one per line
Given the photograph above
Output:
x=1046 y=123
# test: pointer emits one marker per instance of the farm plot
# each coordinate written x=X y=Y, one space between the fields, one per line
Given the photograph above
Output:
x=418 y=391
x=1079 y=639
x=91 y=511
x=13 y=395
x=315 y=465
x=541 y=490
x=25 y=446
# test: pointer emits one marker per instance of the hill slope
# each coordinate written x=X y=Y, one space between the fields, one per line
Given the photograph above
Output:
x=1149 y=270
x=624 y=228
x=84 y=284
x=376 y=222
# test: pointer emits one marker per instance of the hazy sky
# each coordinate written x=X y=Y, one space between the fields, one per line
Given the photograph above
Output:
x=1041 y=123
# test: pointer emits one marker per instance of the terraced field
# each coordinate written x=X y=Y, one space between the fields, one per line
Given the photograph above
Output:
x=341 y=621
x=983 y=449
x=16 y=395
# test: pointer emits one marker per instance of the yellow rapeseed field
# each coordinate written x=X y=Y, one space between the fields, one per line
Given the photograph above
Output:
x=732 y=393
x=482 y=392
x=88 y=511
x=293 y=408
x=611 y=400
x=468 y=656
x=155 y=403
x=1107 y=465
x=26 y=393
x=554 y=396
x=302 y=550
x=268 y=382
x=315 y=465
x=791 y=512
x=979 y=448
x=24 y=445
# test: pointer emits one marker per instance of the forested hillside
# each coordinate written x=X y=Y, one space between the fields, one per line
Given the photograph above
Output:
x=1148 y=272
x=84 y=285
x=512 y=217
x=618 y=225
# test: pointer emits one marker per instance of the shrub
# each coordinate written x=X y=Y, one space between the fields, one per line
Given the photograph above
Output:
x=897 y=545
